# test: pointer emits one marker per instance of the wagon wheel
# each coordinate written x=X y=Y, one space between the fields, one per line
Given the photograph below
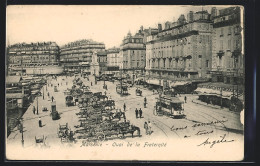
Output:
x=101 y=137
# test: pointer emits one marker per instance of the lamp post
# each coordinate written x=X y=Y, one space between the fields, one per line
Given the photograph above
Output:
x=221 y=102
x=21 y=130
x=43 y=93
x=37 y=110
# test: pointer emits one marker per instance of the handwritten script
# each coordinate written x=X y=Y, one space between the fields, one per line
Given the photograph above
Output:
x=214 y=142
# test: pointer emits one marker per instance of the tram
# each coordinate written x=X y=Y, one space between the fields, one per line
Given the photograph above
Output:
x=122 y=89
x=169 y=106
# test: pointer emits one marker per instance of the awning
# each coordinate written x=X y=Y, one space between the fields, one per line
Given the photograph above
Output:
x=13 y=79
x=154 y=82
x=205 y=91
x=178 y=83
x=14 y=95
x=139 y=79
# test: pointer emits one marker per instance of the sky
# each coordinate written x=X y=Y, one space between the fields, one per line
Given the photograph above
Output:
x=66 y=23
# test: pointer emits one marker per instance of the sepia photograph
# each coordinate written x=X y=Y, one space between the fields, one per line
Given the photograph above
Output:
x=125 y=82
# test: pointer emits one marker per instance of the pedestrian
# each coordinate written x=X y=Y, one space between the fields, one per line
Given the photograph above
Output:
x=34 y=110
x=124 y=116
x=185 y=99
x=136 y=113
x=105 y=93
x=124 y=107
x=48 y=94
x=58 y=84
x=146 y=127
x=140 y=113
x=40 y=122
x=91 y=83
x=52 y=98
x=149 y=128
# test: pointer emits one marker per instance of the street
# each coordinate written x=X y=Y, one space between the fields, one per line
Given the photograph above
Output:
x=200 y=123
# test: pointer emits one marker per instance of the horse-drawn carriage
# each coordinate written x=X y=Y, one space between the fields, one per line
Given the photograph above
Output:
x=69 y=101
x=54 y=113
x=40 y=141
x=65 y=134
x=55 y=89
x=138 y=92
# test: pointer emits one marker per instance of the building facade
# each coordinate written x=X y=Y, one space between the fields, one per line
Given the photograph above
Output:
x=113 y=60
x=34 y=58
x=98 y=65
x=132 y=53
x=227 y=55
x=182 y=50
x=77 y=56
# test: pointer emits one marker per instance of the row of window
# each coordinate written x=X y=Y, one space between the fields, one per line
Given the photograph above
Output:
x=33 y=48
x=133 y=41
x=236 y=30
x=236 y=44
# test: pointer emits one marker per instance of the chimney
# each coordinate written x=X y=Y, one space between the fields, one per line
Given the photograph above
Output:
x=214 y=12
x=141 y=28
x=159 y=27
x=190 y=16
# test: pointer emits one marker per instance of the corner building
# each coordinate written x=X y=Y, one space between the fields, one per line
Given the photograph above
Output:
x=182 y=50
x=227 y=55
x=34 y=58
x=132 y=52
x=76 y=56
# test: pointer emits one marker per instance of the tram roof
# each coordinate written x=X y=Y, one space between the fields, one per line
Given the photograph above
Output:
x=171 y=99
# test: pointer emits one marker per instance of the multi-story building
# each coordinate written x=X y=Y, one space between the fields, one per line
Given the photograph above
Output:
x=98 y=65
x=227 y=55
x=34 y=58
x=113 y=61
x=76 y=56
x=181 y=51
x=132 y=52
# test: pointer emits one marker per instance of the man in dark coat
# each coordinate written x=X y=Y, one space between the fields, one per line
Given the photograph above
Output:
x=140 y=113
x=124 y=107
x=136 y=113
x=40 y=122
x=33 y=109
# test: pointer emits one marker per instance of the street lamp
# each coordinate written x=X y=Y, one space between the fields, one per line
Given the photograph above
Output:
x=21 y=130
x=43 y=93
x=221 y=98
x=37 y=110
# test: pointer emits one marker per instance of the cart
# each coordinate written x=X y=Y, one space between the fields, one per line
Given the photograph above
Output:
x=54 y=113
x=55 y=89
x=138 y=92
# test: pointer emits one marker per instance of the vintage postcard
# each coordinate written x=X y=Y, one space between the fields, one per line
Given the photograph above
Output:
x=125 y=82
